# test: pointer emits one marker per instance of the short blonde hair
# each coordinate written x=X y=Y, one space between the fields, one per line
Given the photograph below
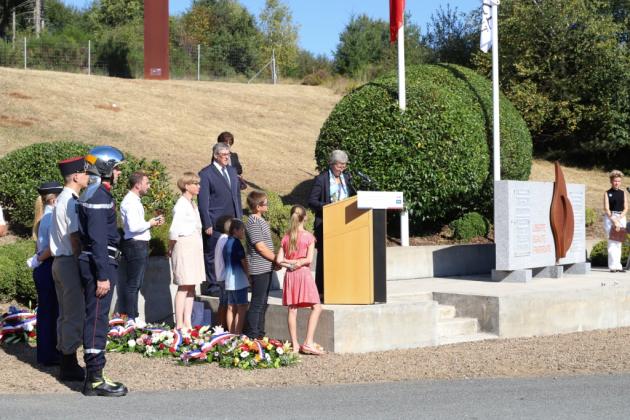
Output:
x=615 y=174
x=187 y=179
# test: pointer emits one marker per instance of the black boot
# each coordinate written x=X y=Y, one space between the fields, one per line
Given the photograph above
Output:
x=97 y=384
x=69 y=369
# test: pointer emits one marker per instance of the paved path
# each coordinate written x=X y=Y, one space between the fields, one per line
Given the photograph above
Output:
x=582 y=397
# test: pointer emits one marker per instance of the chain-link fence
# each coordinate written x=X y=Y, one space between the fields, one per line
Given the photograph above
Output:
x=119 y=59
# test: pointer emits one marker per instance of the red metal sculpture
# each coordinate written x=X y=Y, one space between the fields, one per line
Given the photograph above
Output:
x=156 y=40
x=561 y=215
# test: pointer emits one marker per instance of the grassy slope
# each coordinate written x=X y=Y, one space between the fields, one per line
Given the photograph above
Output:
x=177 y=122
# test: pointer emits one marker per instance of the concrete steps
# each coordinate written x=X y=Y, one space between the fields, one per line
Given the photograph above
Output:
x=467 y=338
x=457 y=326
x=394 y=297
x=452 y=329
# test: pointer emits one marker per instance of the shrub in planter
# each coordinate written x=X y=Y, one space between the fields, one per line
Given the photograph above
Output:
x=469 y=226
x=22 y=170
x=16 y=279
x=438 y=152
x=599 y=254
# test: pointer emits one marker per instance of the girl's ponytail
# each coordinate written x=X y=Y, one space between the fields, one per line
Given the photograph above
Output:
x=297 y=216
x=38 y=211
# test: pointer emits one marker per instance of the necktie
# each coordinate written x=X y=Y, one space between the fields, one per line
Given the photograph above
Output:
x=225 y=175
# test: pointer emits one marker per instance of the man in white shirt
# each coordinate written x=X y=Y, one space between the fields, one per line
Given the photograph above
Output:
x=3 y=224
x=135 y=244
x=65 y=247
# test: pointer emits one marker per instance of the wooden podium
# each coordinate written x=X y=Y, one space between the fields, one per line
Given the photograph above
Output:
x=354 y=254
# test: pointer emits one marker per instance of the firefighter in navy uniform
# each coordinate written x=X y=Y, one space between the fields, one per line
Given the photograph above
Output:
x=98 y=264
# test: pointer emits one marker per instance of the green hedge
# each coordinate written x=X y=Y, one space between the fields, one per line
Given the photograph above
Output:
x=22 y=170
x=470 y=225
x=278 y=217
x=438 y=152
x=16 y=279
x=599 y=254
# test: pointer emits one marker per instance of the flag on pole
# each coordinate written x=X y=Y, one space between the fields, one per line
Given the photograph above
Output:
x=396 y=14
x=485 y=42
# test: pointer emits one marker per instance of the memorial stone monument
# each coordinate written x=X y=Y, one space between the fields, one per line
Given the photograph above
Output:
x=525 y=246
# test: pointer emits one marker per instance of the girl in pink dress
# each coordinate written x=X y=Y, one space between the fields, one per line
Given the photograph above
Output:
x=300 y=291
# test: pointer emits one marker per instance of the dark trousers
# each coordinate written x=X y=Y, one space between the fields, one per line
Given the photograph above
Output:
x=261 y=283
x=209 y=244
x=96 y=314
x=47 y=313
x=135 y=254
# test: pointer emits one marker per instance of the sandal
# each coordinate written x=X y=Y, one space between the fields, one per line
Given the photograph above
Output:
x=315 y=350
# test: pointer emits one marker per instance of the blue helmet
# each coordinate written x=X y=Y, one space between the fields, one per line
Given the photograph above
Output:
x=102 y=160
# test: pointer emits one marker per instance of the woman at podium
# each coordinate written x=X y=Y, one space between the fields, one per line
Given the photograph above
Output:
x=331 y=185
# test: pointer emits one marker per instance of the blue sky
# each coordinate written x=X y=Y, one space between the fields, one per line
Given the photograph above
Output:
x=321 y=21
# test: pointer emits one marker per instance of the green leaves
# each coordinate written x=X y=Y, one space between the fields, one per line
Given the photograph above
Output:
x=23 y=170
x=566 y=67
x=438 y=152
x=16 y=279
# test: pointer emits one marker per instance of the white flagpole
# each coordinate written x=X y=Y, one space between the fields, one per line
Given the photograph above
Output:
x=402 y=103
x=402 y=94
x=496 y=127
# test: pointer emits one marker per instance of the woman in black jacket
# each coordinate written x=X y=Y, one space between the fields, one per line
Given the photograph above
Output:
x=331 y=185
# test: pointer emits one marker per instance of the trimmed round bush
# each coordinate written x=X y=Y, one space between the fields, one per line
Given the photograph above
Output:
x=23 y=170
x=599 y=254
x=439 y=151
x=469 y=226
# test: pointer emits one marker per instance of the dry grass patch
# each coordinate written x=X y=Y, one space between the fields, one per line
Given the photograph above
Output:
x=19 y=95
x=177 y=122
x=276 y=127
x=596 y=180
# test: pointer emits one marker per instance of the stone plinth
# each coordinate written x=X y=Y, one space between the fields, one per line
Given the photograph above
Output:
x=522 y=229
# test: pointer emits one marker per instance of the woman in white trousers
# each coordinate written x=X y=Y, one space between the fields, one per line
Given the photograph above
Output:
x=615 y=208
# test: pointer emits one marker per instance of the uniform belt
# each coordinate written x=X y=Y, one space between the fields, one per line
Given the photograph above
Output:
x=111 y=252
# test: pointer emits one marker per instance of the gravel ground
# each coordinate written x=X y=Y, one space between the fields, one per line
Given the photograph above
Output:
x=594 y=352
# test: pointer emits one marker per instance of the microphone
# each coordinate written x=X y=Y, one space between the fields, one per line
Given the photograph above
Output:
x=365 y=178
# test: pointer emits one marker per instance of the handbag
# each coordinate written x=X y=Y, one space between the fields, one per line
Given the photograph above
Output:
x=618 y=235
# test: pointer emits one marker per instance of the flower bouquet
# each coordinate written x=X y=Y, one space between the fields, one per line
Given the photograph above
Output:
x=17 y=325
x=199 y=345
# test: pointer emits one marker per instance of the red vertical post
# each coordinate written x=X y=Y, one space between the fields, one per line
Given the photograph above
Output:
x=156 y=40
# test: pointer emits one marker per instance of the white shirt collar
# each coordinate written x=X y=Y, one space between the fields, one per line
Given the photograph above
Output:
x=219 y=167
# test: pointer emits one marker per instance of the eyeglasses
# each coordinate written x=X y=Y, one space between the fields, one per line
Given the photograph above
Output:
x=195 y=183
x=224 y=154
x=264 y=204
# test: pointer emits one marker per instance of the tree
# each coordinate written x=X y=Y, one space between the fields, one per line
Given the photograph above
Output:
x=116 y=13
x=453 y=36
x=364 y=50
x=229 y=33
x=566 y=67
x=279 y=35
x=60 y=17
x=6 y=10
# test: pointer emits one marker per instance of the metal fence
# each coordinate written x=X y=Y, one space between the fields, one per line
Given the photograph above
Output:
x=119 y=59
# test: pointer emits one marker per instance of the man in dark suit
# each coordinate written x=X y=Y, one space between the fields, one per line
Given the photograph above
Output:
x=219 y=195
x=228 y=138
x=331 y=185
